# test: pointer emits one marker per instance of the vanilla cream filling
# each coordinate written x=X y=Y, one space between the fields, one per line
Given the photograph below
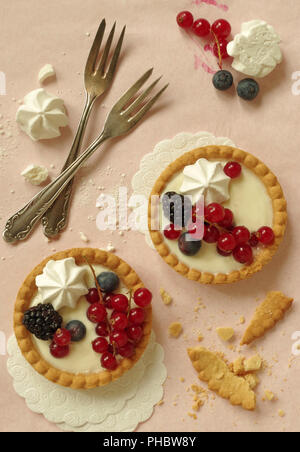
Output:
x=82 y=358
x=252 y=207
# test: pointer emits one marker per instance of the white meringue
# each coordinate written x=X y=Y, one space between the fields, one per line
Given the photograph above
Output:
x=41 y=115
x=34 y=174
x=46 y=72
x=62 y=283
x=255 y=49
x=206 y=178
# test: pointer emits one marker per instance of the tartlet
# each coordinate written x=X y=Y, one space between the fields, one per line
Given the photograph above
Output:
x=269 y=184
x=27 y=342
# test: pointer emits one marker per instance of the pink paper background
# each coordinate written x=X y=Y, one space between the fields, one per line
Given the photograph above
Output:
x=36 y=32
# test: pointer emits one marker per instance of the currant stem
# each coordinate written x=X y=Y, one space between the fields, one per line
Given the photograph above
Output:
x=219 y=50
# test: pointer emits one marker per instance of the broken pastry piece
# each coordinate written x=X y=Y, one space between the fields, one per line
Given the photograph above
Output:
x=213 y=370
x=225 y=334
x=266 y=316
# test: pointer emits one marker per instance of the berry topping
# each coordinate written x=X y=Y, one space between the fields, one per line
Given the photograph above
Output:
x=93 y=296
x=214 y=213
x=227 y=222
x=119 y=338
x=142 y=297
x=253 y=240
x=77 y=330
x=266 y=235
x=127 y=350
x=224 y=253
x=135 y=332
x=107 y=299
x=177 y=208
x=172 y=232
x=222 y=80
x=101 y=329
x=211 y=234
x=62 y=337
x=108 y=281
x=188 y=245
x=108 y=361
x=59 y=352
x=233 y=170
x=222 y=46
x=119 y=303
x=42 y=321
x=241 y=235
x=221 y=28
x=243 y=254
x=226 y=243
x=119 y=321
x=201 y=27
x=248 y=89
x=196 y=228
x=136 y=316
x=100 y=345
x=96 y=313
x=185 y=19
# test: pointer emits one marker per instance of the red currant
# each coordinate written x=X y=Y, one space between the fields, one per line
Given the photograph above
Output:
x=266 y=235
x=243 y=254
x=172 y=232
x=136 y=316
x=253 y=240
x=211 y=234
x=119 y=303
x=241 y=235
x=233 y=170
x=227 y=222
x=100 y=345
x=185 y=19
x=196 y=229
x=101 y=329
x=221 y=28
x=197 y=211
x=127 y=350
x=226 y=242
x=62 y=337
x=59 y=352
x=108 y=361
x=135 y=332
x=92 y=296
x=223 y=253
x=214 y=213
x=223 y=49
x=107 y=300
x=201 y=27
x=119 y=320
x=119 y=338
x=96 y=313
x=142 y=297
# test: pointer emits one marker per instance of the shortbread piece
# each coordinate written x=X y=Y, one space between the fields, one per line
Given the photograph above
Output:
x=266 y=316
x=225 y=333
x=238 y=366
x=166 y=298
x=175 y=329
x=253 y=364
x=213 y=370
x=252 y=379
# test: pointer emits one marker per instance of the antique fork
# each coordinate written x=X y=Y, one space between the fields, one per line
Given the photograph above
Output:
x=97 y=80
x=125 y=114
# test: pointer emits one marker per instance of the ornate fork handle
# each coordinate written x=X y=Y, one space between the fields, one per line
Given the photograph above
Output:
x=19 y=226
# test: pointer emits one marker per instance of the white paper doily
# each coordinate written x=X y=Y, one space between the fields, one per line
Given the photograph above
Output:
x=117 y=407
x=164 y=153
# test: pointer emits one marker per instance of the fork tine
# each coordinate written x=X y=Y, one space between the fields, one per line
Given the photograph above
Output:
x=132 y=91
x=101 y=66
x=115 y=57
x=92 y=58
x=141 y=97
x=139 y=115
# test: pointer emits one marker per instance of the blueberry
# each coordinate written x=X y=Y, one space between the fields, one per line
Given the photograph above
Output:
x=77 y=330
x=188 y=245
x=177 y=208
x=108 y=281
x=248 y=89
x=222 y=80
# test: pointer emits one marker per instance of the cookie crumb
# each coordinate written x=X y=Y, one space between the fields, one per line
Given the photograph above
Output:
x=281 y=413
x=242 y=320
x=253 y=380
x=225 y=334
x=238 y=366
x=252 y=364
x=166 y=298
x=269 y=395
x=83 y=237
x=175 y=329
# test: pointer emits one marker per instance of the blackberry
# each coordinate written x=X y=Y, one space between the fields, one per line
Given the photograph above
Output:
x=177 y=208
x=42 y=321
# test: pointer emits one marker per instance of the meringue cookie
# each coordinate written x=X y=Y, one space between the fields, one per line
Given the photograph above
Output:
x=206 y=178
x=46 y=72
x=41 y=115
x=62 y=283
x=34 y=174
x=255 y=50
